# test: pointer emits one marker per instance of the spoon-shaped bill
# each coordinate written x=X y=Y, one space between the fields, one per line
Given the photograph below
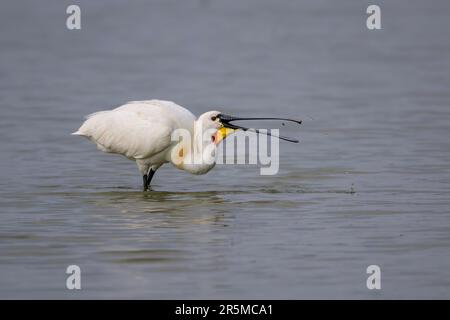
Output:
x=226 y=119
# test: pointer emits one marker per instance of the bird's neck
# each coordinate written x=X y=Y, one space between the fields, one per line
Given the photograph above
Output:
x=195 y=154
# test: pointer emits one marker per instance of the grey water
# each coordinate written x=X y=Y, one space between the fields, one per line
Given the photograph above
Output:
x=368 y=184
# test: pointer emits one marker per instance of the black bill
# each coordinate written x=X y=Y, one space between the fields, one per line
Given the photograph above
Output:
x=226 y=119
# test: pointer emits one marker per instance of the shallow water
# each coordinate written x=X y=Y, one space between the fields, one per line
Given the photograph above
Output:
x=368 y=184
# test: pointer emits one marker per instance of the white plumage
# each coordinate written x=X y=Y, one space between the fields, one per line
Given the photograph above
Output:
x=138 y=129
x=141 y=131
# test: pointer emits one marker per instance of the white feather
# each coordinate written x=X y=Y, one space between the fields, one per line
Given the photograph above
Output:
x=141 y=131
x=138 y=129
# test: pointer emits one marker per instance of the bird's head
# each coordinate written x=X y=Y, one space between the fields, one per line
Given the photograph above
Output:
x=210 y=122
x=209 y=130
x=219 y=125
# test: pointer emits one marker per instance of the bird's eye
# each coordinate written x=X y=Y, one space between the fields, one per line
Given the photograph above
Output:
x=213 y=118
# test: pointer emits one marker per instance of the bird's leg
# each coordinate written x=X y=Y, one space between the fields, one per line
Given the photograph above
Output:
x=144 y=179
x=148 y=178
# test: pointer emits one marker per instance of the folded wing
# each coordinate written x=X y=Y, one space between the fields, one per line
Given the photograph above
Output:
x=138 y=129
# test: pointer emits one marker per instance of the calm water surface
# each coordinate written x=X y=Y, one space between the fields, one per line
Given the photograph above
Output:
x=368 y=184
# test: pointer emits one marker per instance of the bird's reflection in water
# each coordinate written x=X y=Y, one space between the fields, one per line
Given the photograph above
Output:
x=159 y=227
x=171 y=203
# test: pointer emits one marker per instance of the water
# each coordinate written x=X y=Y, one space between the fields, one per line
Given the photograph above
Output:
x=368 y=184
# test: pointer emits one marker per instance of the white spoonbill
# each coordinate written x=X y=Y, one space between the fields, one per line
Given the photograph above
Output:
x=142 y=131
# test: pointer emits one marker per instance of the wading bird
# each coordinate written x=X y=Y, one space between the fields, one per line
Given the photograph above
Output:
x=143 y=131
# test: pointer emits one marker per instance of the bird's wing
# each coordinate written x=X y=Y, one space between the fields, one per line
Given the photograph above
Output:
x=137 y=130
x=169 y=111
